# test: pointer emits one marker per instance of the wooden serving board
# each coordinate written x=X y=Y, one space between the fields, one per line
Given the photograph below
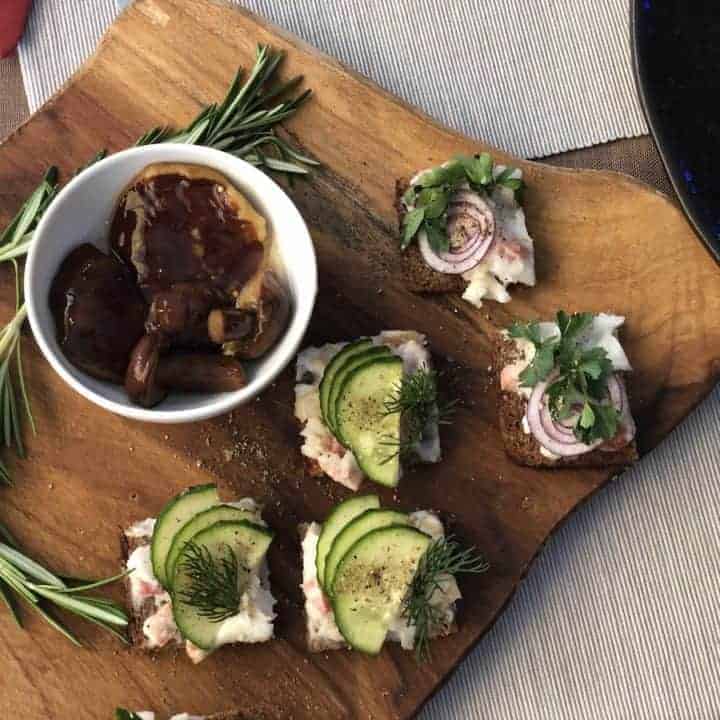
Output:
x=604 y=242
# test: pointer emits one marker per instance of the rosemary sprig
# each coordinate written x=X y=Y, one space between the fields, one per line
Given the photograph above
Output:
x=443 y=559
x=243 y=124
x=417 y=400
x=23 y=579
x=215 y=583
x=14 y=243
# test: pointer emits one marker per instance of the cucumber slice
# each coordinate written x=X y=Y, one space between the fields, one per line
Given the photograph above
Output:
x=372 y=581
x=333 y=366
x=201 y=521
x=341 y=515
x=249 y=543
x=352 y=532
x=353 y=362
x=362 y=422
x=174 y=515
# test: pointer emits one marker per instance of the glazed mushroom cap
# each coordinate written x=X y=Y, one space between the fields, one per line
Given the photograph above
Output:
x=200 y=372
x=269 y=302
x=141 y=378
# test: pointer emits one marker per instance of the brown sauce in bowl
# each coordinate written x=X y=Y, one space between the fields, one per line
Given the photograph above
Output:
x=178 y=229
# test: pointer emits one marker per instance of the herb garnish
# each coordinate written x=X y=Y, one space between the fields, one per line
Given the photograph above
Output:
x=123 y=714
x=581 y=385
x=243 y=124
x=416 y=399
x=427 y=199
x=21 y=578
x=214 y=588
x=443 y=558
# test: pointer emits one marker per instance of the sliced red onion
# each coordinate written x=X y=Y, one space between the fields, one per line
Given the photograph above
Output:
x=559 y=440
x=471 y=232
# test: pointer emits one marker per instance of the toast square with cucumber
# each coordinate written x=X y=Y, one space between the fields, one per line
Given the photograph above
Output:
x=413 y=594
x=526 y=417
x=198 y=575
x=368 y=407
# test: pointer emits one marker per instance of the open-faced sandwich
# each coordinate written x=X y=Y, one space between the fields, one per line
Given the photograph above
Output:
x=562 y=394
x=367 y=407
x=372 y=574
x=470 y=230
x=198 y=576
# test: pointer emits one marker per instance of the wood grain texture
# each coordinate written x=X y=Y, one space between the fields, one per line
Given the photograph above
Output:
x=604 y=242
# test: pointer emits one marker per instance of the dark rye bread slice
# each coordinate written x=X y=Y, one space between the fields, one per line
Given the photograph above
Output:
x=316 y=645
x=137 y=617
x=523 y=448
x=418 y=276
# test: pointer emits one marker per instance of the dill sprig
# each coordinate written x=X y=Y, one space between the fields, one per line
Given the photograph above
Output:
x=417 y=400
x=23 y=579
x=443 y=559
x=214 y=587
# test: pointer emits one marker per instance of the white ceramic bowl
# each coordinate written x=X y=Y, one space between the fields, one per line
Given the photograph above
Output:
x=82 y=212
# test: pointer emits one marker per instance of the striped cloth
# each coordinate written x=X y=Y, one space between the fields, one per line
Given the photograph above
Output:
x=531 y=77
x=618 y=619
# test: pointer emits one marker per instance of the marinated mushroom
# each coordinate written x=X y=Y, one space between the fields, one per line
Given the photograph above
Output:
x=141 y=382
x=268 y=303
x=180 y=313
x=200 y=372
x=99 y=312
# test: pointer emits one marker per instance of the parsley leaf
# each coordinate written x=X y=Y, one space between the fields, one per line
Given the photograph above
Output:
x=437 y=237
x=428 y=198
x=411 y=224
x=123 y=714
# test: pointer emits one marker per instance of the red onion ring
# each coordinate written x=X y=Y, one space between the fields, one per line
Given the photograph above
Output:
x=558 y=441
x=466 y=250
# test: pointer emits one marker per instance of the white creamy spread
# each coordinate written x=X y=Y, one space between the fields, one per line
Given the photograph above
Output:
x=321 y=625
x=511 y=259
x=253 y=622
x=319 y=444
x=319 y=615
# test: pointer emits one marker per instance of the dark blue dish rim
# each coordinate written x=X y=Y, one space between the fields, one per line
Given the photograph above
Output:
x=689 y=186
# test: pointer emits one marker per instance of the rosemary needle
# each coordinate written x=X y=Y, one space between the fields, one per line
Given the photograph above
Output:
x=23 y=579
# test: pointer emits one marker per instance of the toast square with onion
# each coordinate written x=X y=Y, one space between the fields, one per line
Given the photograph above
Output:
x=520 y=444
x=462 y=230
